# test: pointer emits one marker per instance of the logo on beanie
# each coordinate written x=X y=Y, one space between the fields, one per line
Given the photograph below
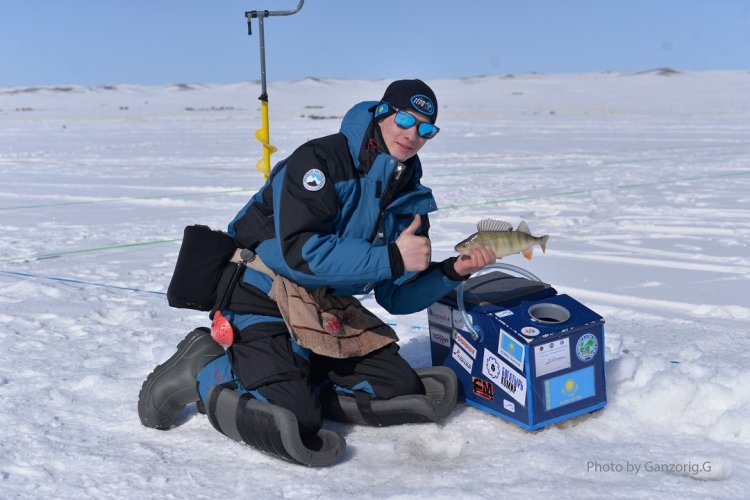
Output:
x=423 y=104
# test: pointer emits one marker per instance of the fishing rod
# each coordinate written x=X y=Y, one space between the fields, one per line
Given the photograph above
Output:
x=263 y=134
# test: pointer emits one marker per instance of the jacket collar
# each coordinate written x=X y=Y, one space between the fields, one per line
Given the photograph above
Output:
x=366 y=141
x=358 y=128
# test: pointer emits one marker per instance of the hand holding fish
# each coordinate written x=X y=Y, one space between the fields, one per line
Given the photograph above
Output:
x=476 y=258
x=415 y=250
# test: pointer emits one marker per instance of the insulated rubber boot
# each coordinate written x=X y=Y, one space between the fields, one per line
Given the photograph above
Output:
x=441 y=387
x=271 y=429
x=172 y=384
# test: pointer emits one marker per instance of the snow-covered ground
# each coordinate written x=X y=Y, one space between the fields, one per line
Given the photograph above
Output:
x=642 y=181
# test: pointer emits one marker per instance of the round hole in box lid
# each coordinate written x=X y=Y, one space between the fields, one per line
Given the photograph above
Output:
x=549 y=313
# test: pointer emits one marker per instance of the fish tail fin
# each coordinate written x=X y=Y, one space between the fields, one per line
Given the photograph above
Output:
x=543 y=243
x=528 y=253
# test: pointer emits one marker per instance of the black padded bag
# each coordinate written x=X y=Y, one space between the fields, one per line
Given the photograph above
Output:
x=203 y=256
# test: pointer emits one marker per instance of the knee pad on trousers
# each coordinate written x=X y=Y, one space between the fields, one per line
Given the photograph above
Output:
x=270 y=429
x=439 y=401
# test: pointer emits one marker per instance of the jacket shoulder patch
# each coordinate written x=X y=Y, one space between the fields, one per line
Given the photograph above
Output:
x=314 y=180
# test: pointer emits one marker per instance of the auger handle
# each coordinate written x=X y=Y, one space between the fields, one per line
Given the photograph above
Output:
x=251 y=14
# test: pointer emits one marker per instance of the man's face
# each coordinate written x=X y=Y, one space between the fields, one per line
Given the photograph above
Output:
x=402 y=143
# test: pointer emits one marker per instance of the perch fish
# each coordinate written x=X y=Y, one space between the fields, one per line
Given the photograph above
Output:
x=503 y=239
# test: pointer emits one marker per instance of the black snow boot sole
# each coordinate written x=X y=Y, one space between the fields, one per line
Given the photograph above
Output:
x=436 y=405
x=172 y=384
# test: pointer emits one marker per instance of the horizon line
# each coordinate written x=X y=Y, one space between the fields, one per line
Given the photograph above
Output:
x=661 y=71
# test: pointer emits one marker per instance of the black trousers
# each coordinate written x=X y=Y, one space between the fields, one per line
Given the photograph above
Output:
x=268 y=361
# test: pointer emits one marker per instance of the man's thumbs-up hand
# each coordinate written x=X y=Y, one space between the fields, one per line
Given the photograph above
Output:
x=415 y=250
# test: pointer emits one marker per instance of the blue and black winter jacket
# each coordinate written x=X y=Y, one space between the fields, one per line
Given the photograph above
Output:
x=330 y=214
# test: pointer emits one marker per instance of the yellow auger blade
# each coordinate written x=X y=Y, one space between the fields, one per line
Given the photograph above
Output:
x=263 y=135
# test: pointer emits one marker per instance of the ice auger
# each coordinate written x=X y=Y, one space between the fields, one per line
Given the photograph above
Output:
x=262 y=134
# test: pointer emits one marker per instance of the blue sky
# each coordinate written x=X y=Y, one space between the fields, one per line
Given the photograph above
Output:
x=97 y=42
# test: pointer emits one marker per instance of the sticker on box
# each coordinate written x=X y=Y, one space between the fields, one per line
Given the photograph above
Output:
x=586 y=347
x=440 y=337
x=569 y=388
x=529 y=331
x=483 y=388
x=509 y=405
x=504 y=376
x=512 y=350
x=439 y=314
x=461 y=340
x=502 y=314
x=458 y=320
x=552 y=357
x=462 y=358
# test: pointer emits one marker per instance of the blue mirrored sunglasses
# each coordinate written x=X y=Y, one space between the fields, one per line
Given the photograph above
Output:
x=405 y=120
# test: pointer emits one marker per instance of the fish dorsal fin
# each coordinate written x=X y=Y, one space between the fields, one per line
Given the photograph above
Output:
x=494 y=225
x=523 y=228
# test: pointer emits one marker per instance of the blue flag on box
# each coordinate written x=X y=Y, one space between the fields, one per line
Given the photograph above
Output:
x=512 y=350
x=569 y=388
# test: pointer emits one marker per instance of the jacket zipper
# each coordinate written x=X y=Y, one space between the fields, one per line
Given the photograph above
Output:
x=385 y=200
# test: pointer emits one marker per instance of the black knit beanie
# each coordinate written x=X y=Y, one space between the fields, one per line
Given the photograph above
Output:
x=405 y=94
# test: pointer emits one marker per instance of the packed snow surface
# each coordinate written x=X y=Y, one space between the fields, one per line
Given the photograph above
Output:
x=642 y=182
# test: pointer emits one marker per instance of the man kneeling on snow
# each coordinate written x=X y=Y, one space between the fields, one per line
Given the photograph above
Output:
x=343 y=215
